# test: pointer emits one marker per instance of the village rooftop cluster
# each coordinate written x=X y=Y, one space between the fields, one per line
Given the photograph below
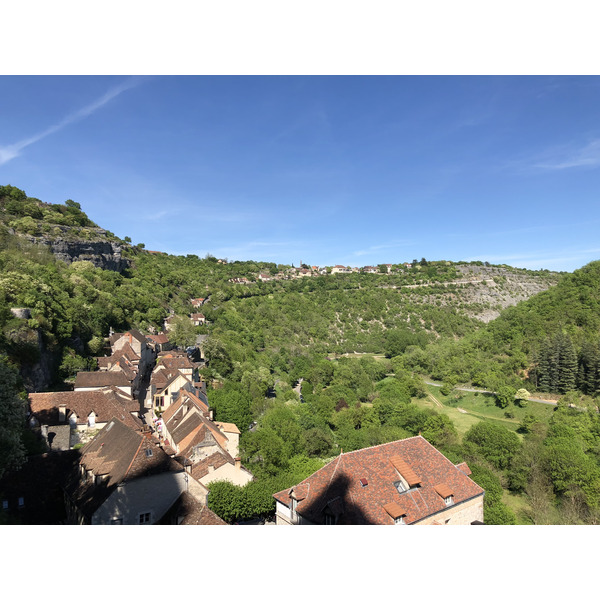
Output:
x=315 y=271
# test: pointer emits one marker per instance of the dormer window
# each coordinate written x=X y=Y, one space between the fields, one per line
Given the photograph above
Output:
x=446 y=493
x=407 y=478
x=396 y=512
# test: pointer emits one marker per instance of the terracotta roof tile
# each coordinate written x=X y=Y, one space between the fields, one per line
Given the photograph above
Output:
x=105 y=403
x=366 y=505
x=91 y=379
x=443 y=490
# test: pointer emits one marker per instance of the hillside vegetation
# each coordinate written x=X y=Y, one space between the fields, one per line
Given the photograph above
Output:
x=308 y=367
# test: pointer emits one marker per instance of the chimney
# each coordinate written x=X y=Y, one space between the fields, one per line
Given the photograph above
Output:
x=62 y=413
x=211 y=468
x=238 y=463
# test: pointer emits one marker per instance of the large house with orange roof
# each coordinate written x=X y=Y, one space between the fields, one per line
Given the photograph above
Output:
x=406 y=482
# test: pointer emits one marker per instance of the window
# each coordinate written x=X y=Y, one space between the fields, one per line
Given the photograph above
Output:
x=148 y=452
x=400 y=486
x=329 y=519
x=144 y=518
x=118 y=521
x=449 y=500
x=5 y=504
x=21 y=502
x=293 y=506
x=399 y=520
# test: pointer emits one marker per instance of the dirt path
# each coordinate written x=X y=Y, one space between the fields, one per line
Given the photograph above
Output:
x=435 y=400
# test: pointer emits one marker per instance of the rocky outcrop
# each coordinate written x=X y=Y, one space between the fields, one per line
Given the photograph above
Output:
x=105 y=255
x=100 y=251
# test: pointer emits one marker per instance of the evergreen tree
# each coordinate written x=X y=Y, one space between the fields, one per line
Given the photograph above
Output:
x=567 y=364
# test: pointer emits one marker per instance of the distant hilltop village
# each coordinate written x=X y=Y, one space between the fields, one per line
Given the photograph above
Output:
x=315 y=271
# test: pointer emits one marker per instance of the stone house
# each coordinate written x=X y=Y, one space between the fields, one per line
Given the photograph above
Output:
x=407 y=482
x=61 y=416
x=159 y=342
x=209 y=449
x=124 y=477
x=165 y=386
x=340 y=269
x=197 y=319
x=172 y=361
x=138 y=343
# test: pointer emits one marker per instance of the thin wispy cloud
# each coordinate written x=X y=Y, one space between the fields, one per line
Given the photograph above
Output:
x=586 y=156
x=375 y=249
x=11 y=151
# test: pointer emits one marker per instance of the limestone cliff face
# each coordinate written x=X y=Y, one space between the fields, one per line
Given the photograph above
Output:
x=100 y=251
x=105 y=255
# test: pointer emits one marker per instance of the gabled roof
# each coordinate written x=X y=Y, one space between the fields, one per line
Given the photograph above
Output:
x=127 y=352
x=188 y=511
x=186 y=427
x=132 y=333
x=92 y=379
x=164 y=378
x=175 y=362
x=215 y=460
x=379 y=499
x=120 y=455
x=160 y=338
x=106 y=403
x=187 y=424
x=200 y=400
x=227 y=427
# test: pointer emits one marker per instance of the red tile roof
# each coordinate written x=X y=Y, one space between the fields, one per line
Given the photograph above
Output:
x=160 y=338
x=371 y=504
x=106 y=403
x=97 y=379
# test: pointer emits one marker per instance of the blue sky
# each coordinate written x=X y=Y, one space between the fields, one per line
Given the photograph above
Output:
x=353 y=170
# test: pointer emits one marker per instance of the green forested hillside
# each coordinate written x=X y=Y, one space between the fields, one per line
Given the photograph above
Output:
x=312 y=366
x=549 y=343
